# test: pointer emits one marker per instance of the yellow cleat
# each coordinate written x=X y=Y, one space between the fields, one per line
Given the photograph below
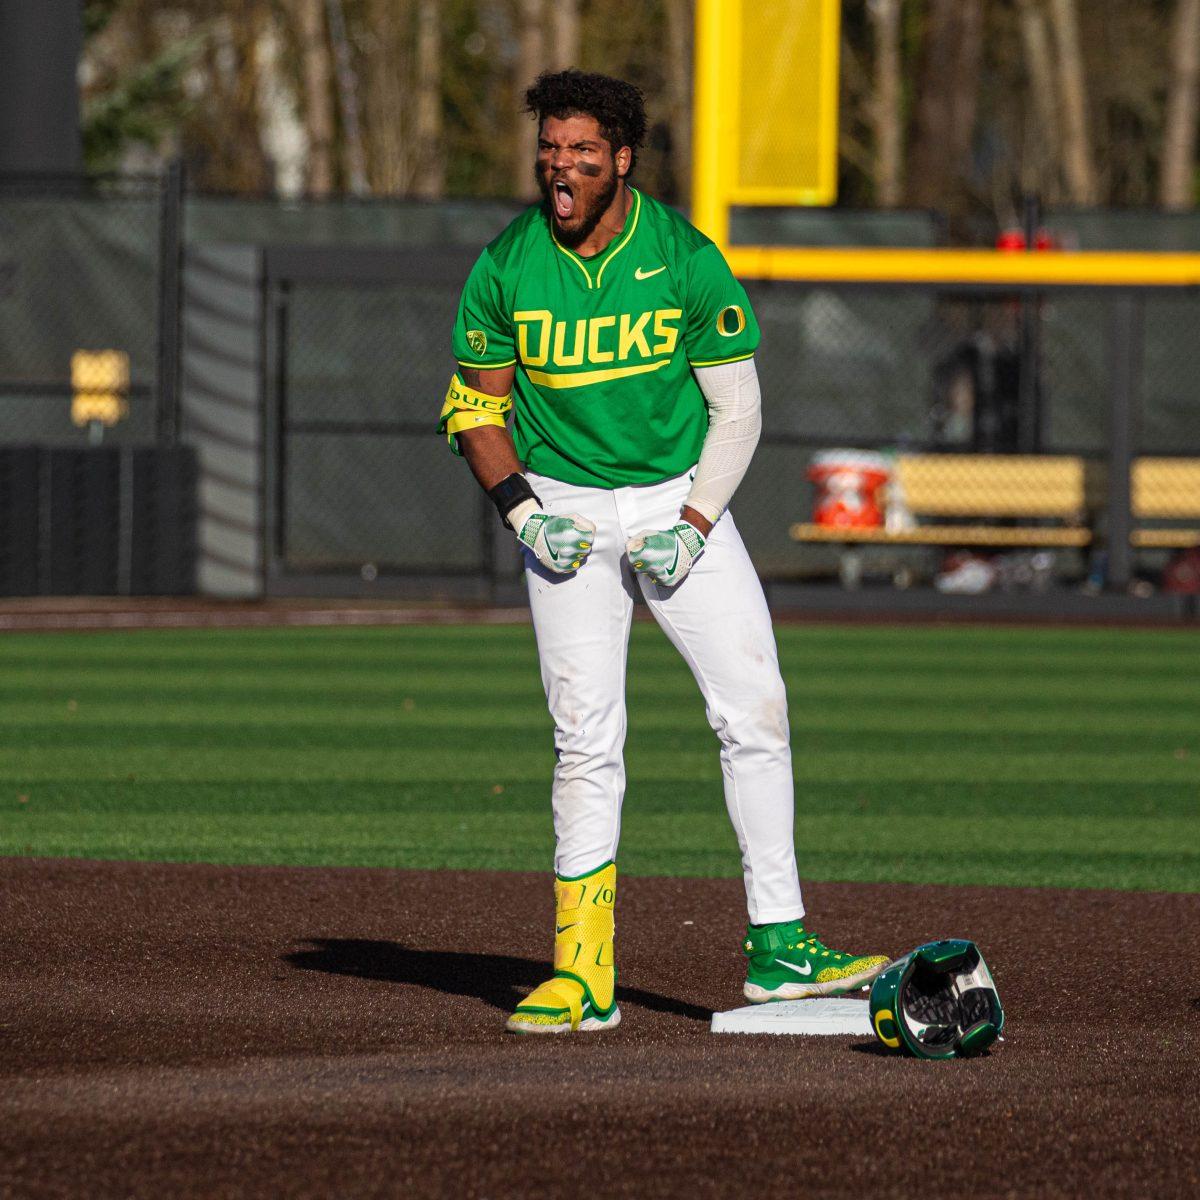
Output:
x=582 y=993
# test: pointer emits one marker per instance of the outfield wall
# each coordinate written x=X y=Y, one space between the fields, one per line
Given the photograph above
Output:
x=366 y=480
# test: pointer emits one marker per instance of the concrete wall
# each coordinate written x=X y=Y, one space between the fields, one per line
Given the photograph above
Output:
x=222 y=414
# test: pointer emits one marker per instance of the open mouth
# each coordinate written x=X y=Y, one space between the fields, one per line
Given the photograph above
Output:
x=564 y=200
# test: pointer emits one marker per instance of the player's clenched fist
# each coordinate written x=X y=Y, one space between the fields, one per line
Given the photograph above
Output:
x=666 y=555
x=560 y=544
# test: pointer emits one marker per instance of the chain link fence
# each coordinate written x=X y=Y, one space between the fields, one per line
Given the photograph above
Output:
x=364 y=484
x=940 y=383
x=95 y=498
x=84 y=266
x=991 y=411
x=936 y=383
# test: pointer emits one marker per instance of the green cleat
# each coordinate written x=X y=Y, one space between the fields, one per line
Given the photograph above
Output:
x=786 y=962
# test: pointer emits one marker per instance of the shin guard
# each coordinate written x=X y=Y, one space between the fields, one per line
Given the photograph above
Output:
x=582 y=993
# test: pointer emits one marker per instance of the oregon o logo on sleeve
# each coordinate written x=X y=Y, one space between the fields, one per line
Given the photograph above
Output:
x=477 y=340
x=731 y=320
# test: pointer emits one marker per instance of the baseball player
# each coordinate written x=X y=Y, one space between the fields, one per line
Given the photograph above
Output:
x=616 y=335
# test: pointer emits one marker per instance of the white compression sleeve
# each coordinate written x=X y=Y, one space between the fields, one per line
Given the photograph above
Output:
x=734 y=425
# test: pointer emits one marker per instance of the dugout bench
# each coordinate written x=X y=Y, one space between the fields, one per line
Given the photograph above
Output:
x=1165 y=489
x=986 y=501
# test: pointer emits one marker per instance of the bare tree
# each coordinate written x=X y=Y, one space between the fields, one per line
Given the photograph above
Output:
x=1178 y=184
x=318 y=99
x=281 y=128
x=347 y=90
x=430 y=178
x=947 y=96
x=1106 y=112
x=678 y=95
x=887 y=115
x=1040 y=162
x=1078 y=155
x=248 y=27
x=530 y=61
x=384 y=77
x=223 y=130
x=856 y=110
x=564 y=34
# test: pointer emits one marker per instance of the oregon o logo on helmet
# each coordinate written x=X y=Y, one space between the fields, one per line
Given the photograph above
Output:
x=937 y=1001
x=885 y=1017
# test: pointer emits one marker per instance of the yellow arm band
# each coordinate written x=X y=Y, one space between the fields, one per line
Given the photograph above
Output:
x=465 y=408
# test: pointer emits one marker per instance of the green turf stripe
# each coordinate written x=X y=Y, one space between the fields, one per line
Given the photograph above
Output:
x=1037 y=757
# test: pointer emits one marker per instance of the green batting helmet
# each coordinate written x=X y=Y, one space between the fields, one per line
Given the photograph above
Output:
x=937 y=1002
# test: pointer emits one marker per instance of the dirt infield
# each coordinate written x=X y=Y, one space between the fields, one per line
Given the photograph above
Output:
x=191 y=1030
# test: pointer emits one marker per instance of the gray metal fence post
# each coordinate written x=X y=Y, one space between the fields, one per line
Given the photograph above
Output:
x=279 y=452
x=170 y=302
x=1029 y=381
x=1124 y=376
x=487 y=547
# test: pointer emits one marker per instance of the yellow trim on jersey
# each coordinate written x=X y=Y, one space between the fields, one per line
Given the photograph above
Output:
x=637 y=210
x=574 y=258
x=586 y=378
x=478 y=366
x=631 y=225
x=720 y=362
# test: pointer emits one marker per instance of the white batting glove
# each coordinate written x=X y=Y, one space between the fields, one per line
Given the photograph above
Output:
x=560 y=544
x=666 y=555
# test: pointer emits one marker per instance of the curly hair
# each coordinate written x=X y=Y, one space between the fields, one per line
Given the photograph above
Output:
x=618 y=107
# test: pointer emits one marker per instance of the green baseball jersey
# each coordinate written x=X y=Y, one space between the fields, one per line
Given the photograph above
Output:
x=604 y=346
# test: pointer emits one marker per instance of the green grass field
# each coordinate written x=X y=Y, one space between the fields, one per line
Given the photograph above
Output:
x=953 y=755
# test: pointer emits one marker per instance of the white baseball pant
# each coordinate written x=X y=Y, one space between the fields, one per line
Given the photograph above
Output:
x=717 y=618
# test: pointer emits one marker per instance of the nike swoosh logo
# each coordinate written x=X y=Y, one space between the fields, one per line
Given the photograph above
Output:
x=640 y=274
x=564 y=928
x=804 y=970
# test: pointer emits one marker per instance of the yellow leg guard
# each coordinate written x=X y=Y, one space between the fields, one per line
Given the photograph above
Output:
x=582 y=993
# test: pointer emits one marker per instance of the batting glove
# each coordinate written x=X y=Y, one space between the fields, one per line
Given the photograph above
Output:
x=560 y=544
x=666 y=555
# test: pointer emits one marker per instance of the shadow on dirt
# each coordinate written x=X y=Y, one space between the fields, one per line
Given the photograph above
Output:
x=498 y=979
x=874 y=1049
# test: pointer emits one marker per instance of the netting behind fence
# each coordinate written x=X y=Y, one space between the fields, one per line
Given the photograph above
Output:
x=364 y=481
x=79 y=270
x=905 y=372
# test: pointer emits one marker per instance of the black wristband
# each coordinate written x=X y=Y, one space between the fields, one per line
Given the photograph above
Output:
x=510 y=492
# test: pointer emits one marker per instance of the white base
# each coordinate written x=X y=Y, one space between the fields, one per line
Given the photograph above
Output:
x=819 y=1016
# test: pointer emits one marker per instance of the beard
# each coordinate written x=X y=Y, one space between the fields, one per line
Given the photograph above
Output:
x=585 y=219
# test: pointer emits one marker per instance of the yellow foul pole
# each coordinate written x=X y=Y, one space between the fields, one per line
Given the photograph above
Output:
x=804 y=34
x=710 y=154
x=1093 y=268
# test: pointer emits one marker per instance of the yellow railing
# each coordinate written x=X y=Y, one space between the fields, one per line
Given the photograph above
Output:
x=1092 y=268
